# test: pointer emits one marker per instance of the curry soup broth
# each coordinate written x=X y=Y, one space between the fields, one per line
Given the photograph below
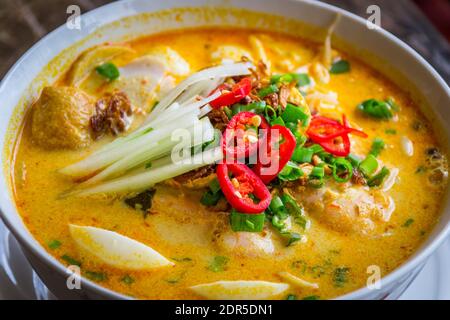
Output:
x=181 y=229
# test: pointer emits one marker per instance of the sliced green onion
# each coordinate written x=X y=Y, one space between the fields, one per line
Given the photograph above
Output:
x=264 y=92
x=256 y=107
x=210 y=199
x=108 y=70
x=354 y=159
x=246 y=222
x=302 y=79
x=369 y=165
x=228 y=112
x=318 y=172
x=71 y=261
x=302 y=154
x=276 y=204
x=316 y=148
x=290 y=172
x=277 y=120
x=214 y=185
x=377 y=146
x=390 y=131
x=376 y=109
x=218 y=264
x=316 y=177
x=293 y=237
x=340 y=66
x=294 y=210
x=271 y=110
x=378 y=179
x=54 y=244
x=342 y=170
x=294 y=114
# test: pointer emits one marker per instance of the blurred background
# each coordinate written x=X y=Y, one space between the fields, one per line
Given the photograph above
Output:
x=423 y=24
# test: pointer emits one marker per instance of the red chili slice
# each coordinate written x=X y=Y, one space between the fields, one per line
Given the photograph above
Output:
x=239 y=91
x=332 y=135
x=339 y=146
x=281 y=146
x=323 y=129
x=246 y=183
x=242 y=137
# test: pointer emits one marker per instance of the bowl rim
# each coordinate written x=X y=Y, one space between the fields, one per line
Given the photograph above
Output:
x=420 y=255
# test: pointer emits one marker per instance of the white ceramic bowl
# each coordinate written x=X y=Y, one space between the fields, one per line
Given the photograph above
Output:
x=25 y=79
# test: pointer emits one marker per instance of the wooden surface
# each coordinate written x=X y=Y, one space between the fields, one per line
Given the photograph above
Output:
x=23 y=22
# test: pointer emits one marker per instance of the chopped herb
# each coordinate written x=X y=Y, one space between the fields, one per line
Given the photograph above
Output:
x=142 y=201
x=96 y=276
x=148 y=165
x=54 y=244
x=376 y=109
x=302 y=154
x=377 y=146
x=218 y=264
x=293 y=237
x=264 y=92
x=340 y=66
x=290 y=172
x=369 y=165
x=340 y=276
x=127 y=280
x=342 y=170
x=246 y=222
x=176 y=279
x=71 y=261
x=311 y=298
x=303 y=79
x=291 y=297
x=210 y=199
x=408 y=222
x=295 y=114
x=378 y=179
x=354 y=159
x=108 y=70
x=390 y=131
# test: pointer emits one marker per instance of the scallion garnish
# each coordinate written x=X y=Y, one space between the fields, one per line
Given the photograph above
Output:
x=290 y=172
x=295 y=114
x=376 y=109
x=214 y=185
x=340 y=66
x=302 y=154
x=377 y=146
x=264 y=92
x=54 y=244
x=390 y=131
x=218 y=264
x=210 y=199
x=342 y=170
x=369 y=165
x=70 y=260
x=378 y=179
x=108 y=70
x=354 y=159
x=277 y=120
x=246 y=222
